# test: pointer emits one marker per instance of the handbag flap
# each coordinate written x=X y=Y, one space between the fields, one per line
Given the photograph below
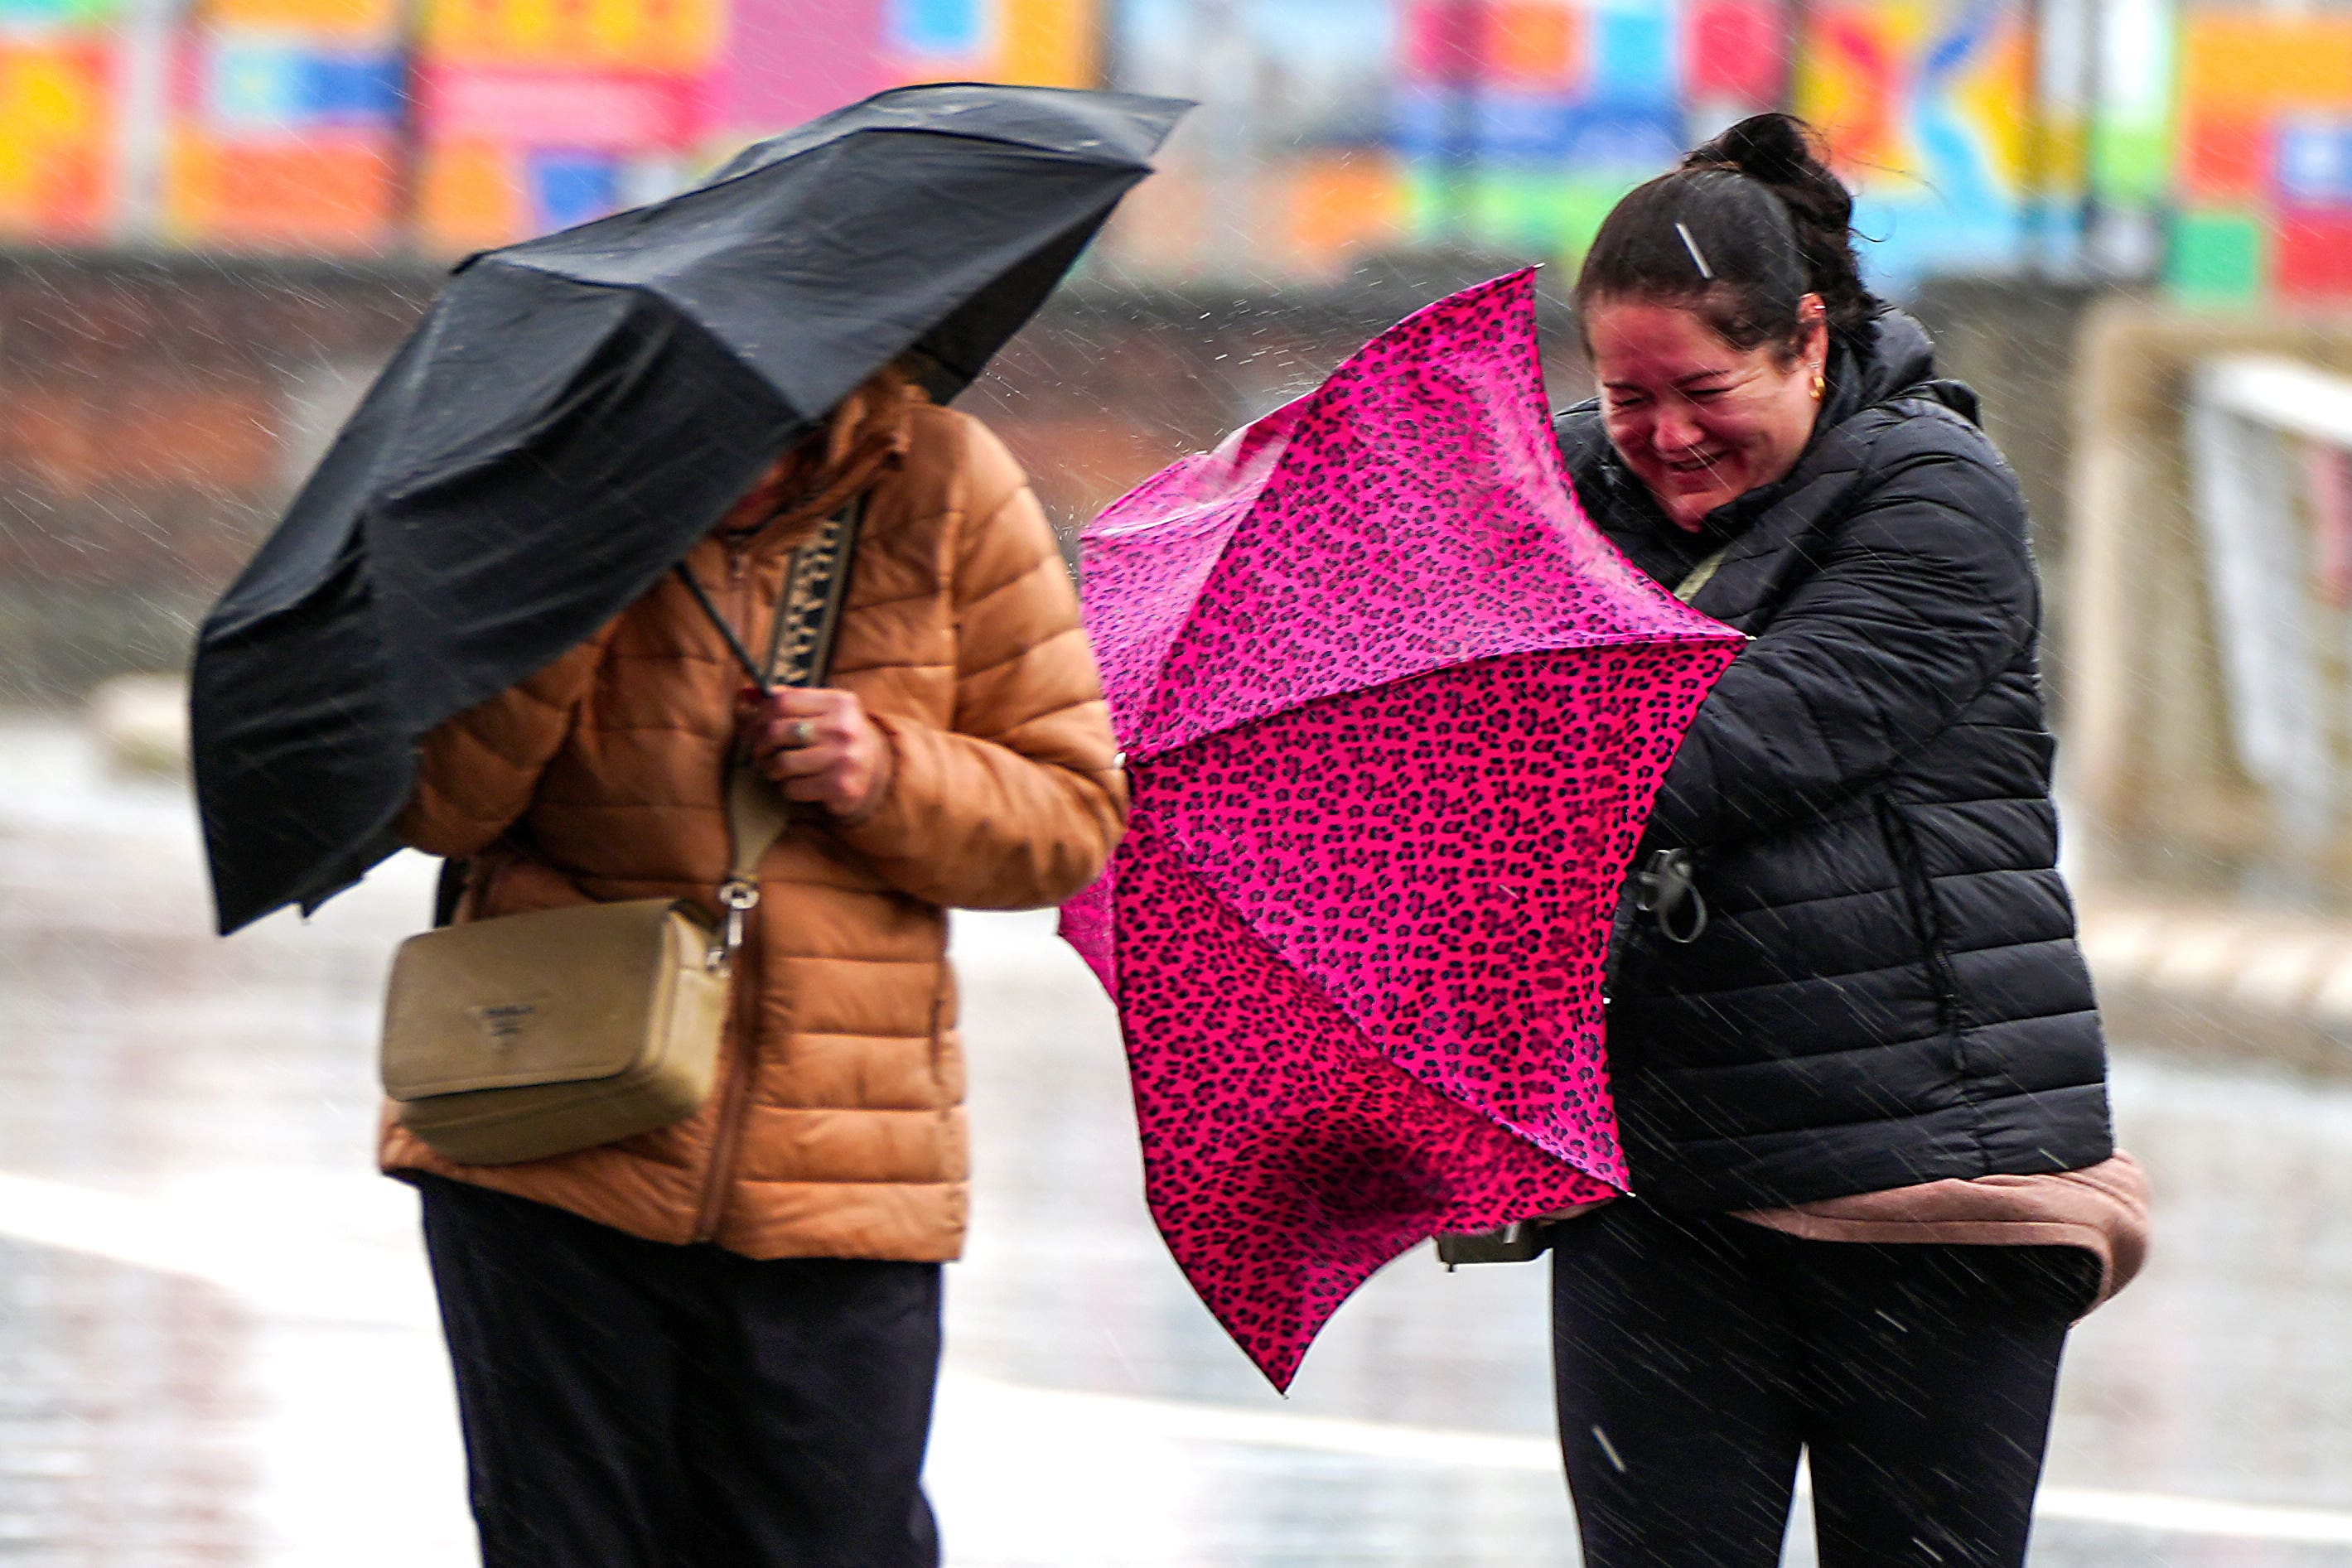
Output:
x=560 y=996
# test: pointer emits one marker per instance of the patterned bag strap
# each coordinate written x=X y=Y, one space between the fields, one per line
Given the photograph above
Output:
x=808 y=612
x=808 y=616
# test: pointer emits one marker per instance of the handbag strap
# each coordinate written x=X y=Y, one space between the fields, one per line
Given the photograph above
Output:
x=800 y=653
x=1699 y=575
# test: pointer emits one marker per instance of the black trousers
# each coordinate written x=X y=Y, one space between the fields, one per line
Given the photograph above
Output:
x=1697 y=1355
x=630 y=1404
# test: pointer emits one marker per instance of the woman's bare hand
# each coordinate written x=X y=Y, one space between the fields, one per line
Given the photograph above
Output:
x=818 y=745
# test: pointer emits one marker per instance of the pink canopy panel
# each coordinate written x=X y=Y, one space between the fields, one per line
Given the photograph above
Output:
x=1394 y=713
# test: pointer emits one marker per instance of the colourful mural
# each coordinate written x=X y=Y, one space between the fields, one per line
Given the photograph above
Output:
x=533 y=114
x=1331 y=130
x=2213 y=144
x=1520 y=123
x=352 y=126
x=1497 y=124
x=2264 y=168
x=287 y=125
x=1513 y=125
x=59 y=70
x=1924 y=106
x=57 y=109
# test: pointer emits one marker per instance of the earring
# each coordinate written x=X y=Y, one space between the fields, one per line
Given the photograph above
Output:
x=1820 y=385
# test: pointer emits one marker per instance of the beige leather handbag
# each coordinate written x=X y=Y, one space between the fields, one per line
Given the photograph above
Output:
x=531 y=1035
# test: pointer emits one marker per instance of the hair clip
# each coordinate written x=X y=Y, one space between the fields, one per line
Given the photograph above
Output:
x=1697 y=261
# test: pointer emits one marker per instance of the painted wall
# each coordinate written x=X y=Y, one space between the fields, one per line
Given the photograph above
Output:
x=2264 y=166
x=535 y=114
x=358 y=126
x=1331 y=128
x=1512 y=125
x=2209 y=143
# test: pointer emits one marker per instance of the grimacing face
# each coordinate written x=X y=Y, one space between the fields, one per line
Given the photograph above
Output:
x=1698 y=422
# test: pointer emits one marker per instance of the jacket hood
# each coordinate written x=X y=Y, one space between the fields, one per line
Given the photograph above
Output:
x=1893 y=357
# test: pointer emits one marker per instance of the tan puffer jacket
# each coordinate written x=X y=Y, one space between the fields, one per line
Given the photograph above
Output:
x=837 y=1127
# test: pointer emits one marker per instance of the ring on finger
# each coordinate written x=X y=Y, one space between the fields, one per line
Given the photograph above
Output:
x=799 y=733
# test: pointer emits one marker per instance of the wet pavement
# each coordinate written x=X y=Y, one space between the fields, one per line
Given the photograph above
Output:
x=217 y=1346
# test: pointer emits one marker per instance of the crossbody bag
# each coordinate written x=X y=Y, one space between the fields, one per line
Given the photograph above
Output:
x=526 y=1036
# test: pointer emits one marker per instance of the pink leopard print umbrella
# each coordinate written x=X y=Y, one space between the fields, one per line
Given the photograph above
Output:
x=1394 y=713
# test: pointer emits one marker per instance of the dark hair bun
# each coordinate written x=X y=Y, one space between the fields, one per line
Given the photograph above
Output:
x=1784 y=154
x=1767 y=146
x=1747 y=226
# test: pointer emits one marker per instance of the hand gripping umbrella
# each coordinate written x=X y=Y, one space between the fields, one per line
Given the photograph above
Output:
x=1394 y=714
x=577 y=411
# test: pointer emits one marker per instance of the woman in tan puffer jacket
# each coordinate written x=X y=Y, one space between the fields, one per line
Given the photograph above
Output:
x=716 y=1343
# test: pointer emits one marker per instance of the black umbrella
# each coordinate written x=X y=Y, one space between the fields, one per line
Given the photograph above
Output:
x=577 y=411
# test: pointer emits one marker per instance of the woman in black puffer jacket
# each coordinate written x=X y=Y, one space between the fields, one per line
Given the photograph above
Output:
x=1856 y=1053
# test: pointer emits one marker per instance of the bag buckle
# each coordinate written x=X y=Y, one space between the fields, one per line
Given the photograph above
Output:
x=1663 y=886
x=739 y=896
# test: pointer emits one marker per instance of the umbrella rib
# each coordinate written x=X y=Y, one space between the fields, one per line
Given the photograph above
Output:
x=1241 y=921
x=1210 y=890
x=945 y=134
x=1159 y=675
x=436 y=326
x=1244 y=720
x=1308 y=1319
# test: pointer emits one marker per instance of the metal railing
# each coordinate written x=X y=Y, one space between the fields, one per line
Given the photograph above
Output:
x=2268 y=440
x=2206 y=676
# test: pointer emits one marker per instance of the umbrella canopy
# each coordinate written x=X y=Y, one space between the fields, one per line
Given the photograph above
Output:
x=1394 y=713
x=577 y=411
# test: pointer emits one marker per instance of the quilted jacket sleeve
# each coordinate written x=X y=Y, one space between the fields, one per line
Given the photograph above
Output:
x=1924 y=595
x=476 y=773
x=1021 y=802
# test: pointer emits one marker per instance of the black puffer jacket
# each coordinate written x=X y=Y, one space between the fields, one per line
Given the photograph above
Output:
x=1888 y=989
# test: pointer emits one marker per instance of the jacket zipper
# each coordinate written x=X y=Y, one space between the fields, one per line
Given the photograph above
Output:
x=1912 y=866
x=1919 y=894
x=735 y=1100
